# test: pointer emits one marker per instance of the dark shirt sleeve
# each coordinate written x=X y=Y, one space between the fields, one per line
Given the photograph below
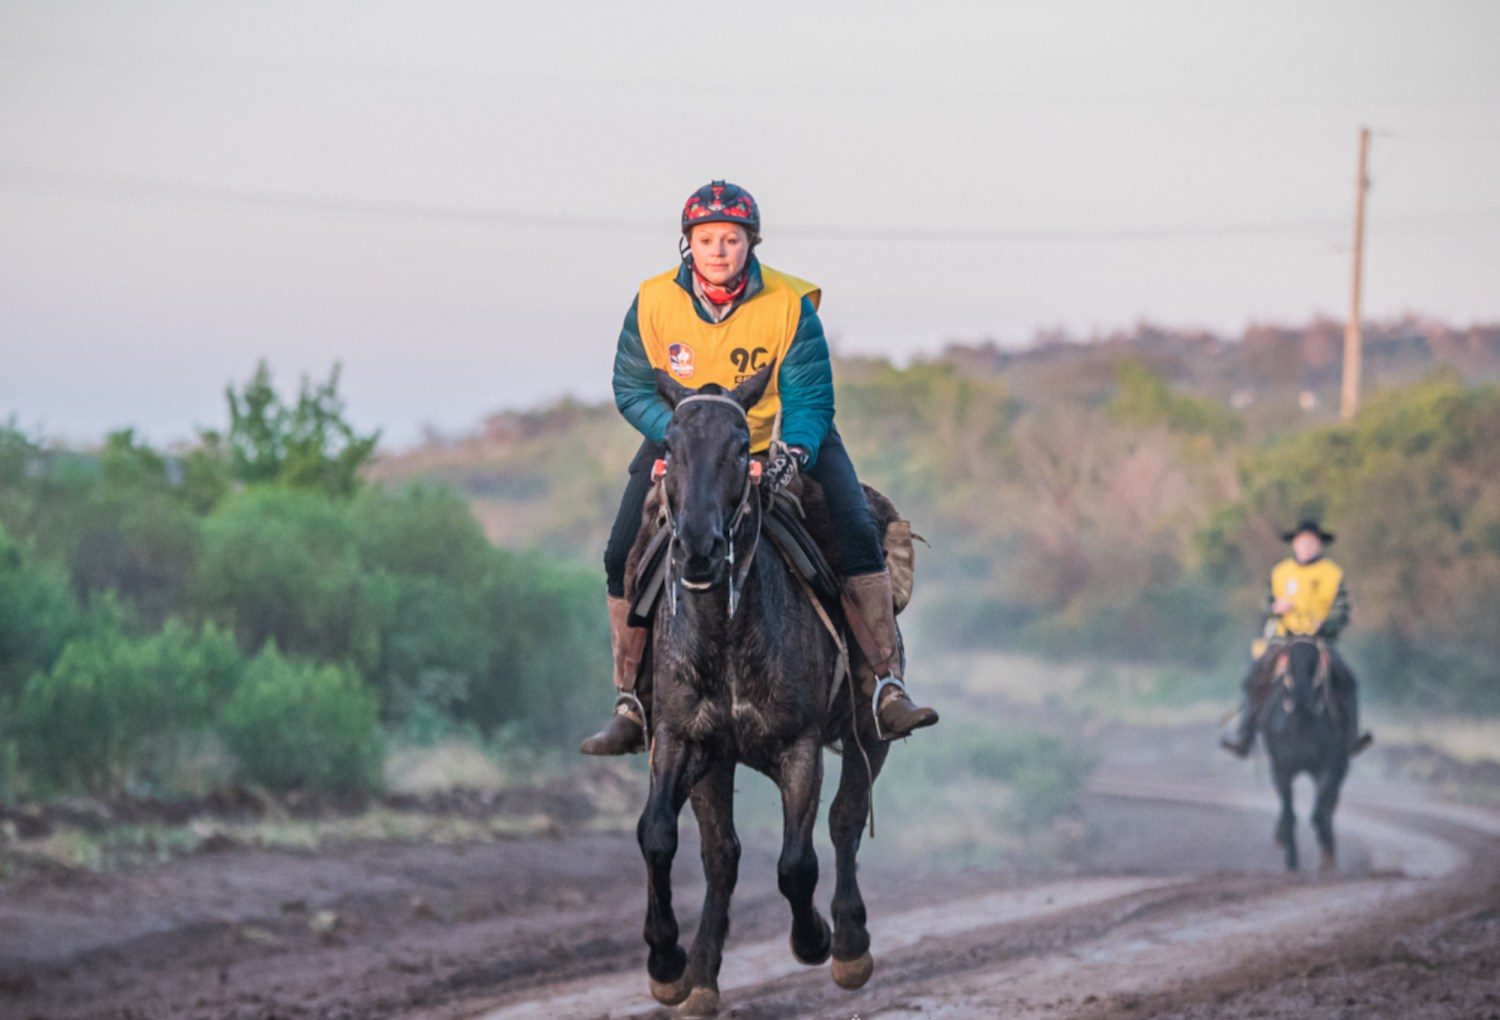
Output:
x=635 y=382
x=805 y=380
x=1338 y=614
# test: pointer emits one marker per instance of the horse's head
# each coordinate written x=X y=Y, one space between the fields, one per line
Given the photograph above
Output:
x=708 y=481
x=1303 y=659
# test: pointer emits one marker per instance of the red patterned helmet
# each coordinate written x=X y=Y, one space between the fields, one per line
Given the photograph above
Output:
x=721 y=202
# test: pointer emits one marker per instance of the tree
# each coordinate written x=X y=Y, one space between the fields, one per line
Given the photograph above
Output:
x=309 y=445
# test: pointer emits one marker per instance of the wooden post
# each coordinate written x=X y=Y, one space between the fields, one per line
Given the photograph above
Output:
x=1353 y=343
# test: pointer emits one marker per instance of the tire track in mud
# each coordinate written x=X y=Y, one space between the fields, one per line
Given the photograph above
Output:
x=1066 y=947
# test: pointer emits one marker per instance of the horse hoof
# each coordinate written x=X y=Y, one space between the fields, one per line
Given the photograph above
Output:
x=852 y=974
x=1327 y=863
x=670 y=993
x=820 y=955
x=703 y=1002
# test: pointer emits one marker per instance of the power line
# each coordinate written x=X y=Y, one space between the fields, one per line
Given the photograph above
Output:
x=201 y=194
x=862 y=92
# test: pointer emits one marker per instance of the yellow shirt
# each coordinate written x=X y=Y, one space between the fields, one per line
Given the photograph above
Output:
x=756 y=334
x=1310 y=588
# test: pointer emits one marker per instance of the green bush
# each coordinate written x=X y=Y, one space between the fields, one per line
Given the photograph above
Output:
x=117 y=713
x=282 y=565
x=551 y=665
x=292 y=724
x=439 y=641
x=37 y=614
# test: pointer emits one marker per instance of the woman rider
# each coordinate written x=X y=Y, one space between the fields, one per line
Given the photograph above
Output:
x=719 y=317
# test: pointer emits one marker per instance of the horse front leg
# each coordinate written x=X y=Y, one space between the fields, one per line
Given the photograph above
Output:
x=713 y=806
x=1329 y=783
x=1286 y=825
x=800 y=777
x=852 y=962
x=673 y=764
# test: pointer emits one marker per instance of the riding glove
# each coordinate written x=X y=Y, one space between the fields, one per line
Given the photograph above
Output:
x=786 y=463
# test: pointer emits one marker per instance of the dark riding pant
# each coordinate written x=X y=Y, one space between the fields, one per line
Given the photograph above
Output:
x=859 y=549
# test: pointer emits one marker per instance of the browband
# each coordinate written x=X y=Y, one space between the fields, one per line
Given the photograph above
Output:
x=717 y=398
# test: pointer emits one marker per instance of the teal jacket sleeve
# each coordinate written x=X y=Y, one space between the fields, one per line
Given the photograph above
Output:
x=635 y=383
x=805 y=380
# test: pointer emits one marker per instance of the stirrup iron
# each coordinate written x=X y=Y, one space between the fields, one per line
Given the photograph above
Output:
x=889 y=680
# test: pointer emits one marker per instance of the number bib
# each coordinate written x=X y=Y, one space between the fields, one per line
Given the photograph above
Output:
x=756 y=334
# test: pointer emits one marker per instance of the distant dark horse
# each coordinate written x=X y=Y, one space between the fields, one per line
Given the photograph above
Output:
x=742 y=669
x=1306 y=730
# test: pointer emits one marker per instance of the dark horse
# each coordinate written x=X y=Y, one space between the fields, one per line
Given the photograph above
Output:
x=1306 y=730
x=743 y=669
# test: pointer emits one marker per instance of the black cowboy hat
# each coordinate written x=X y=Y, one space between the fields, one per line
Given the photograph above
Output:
x=1308 y=524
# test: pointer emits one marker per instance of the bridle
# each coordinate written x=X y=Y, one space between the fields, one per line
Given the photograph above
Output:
x=747 y=506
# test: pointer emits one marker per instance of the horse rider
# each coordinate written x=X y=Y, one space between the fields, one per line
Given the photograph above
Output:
x=1308 y=598
x=719 y=317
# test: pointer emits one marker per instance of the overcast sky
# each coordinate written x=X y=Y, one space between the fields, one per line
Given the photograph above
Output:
x=456 y=201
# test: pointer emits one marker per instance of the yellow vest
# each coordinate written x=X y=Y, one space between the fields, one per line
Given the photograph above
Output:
x=756 y=334
x=1310 y=588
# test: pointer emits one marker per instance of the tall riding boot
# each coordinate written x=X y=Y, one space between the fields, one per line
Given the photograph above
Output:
x=871 y=610
x=625 y=733
x=1244 y=736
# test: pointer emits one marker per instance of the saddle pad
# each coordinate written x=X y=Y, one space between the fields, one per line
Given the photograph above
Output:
x=784 y=530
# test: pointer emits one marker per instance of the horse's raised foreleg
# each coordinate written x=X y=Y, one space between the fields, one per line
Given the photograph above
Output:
x=1286 y=824
x=713 y=806
x=800 y=777
x=673 y=768
x=1329 y=782
x=852 y=962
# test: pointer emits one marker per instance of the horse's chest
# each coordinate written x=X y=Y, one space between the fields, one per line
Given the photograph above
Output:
x=748 y=712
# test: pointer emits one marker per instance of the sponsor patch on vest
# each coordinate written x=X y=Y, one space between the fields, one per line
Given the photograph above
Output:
x=680 y=357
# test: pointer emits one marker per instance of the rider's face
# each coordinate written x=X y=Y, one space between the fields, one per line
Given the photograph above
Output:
x=720 y=250
x=1306 y=546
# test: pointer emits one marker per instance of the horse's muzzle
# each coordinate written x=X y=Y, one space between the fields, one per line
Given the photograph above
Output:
x=702 y=563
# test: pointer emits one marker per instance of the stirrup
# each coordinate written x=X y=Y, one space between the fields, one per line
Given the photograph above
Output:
x=627 y=704
x=889 y=680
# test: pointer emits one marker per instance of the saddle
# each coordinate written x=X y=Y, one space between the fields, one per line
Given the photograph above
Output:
x=1274 y=672
x=798 y=527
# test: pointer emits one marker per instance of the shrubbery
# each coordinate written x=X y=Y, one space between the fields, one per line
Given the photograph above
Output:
x=292 y=724
x=252 y=596
x=115 y=712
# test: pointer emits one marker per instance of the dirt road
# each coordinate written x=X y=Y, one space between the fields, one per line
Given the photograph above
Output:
x=1150 y=945
x=1174 y=906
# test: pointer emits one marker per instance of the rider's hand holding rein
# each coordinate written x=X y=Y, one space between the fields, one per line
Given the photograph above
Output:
x=785 y=465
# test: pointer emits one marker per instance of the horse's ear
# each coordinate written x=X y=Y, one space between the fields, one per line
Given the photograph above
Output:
x=748 y=393
x=670 y=389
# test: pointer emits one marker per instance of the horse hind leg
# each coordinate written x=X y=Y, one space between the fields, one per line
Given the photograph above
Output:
x=1322 y=817
x=713 y=805
x=800 y=778
x=852 y=962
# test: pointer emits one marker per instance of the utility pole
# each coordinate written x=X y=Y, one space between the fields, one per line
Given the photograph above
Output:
x=1353 y=343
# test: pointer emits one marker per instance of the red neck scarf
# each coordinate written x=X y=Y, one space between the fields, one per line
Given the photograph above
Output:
x=726 y=294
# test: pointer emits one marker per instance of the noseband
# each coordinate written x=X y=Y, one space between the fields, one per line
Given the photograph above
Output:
x=746 y=505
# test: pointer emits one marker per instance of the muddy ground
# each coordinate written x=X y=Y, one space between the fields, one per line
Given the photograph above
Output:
x=1167 y=901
